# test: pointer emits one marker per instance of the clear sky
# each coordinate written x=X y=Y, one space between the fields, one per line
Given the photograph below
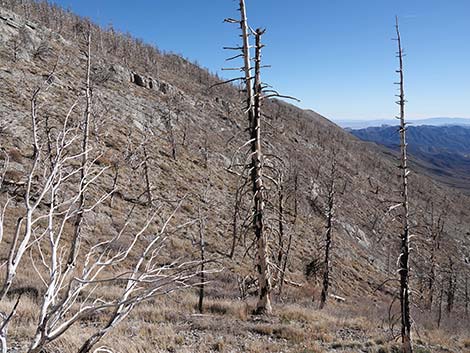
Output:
x=336 y=56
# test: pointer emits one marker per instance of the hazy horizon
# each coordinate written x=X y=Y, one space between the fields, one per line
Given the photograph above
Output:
x=392 y=118
x=433 y=121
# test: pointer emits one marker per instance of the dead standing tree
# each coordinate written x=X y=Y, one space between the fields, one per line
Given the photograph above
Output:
x=330 y=204
x=253 y=109
x=452 y=280
x=280 y=214
x=145 y=166
x=264 y=280
x=403 y=260
x=202 y=245
x=436 y=230
x=255 y=94
x=84 y=159
x=285 y=260
x=278 y=204
x=466 y=295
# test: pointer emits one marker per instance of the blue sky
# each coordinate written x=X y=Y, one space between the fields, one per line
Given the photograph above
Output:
x=336 y=56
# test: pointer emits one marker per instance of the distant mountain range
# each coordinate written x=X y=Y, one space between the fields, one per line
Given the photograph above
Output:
x=361 y=124
x=442 y=150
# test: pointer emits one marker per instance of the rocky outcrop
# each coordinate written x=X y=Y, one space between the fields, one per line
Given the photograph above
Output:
x=138 y=80
x=151 y=83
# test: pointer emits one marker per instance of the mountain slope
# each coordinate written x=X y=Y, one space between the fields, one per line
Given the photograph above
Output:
x=442 y=150
x=192 y=133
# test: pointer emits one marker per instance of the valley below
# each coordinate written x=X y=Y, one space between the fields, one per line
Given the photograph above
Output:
x=441 y=151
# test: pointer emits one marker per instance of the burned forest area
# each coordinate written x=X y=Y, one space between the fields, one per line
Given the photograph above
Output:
x=149 y=205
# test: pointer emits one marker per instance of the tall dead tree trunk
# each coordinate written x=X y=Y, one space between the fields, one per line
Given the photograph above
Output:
x=148 y=186
x=202 y=249
x=280 y=211
x=405 y=235
x=253 y=92
x=466 y=295
x=264 y=281
x=253 y=109
x=436 y=232
x=236 y=214
x=451 y=286
x=329 y=229
x=289 y=241
x=86 y=135
x=115 y=183
x=247 y=61
x=202 y=216
x=439 y=308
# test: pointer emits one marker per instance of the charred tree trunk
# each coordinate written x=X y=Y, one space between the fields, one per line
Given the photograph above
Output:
x=250 y=103
x=431 y=281
x=206 y=152
x=281 y=252
x=466 y=296
x=168 y=121
x=115 y=182
x=236 y=214
x=289 y=241
x=86 y=131
x=264 y=282
x=253 y=107
x=202 y=248
x=439 y=308
x=451 y=284
x=436 y=232
x=432 y=270
x=148 y=186
x=329 y=228
x=405 y=236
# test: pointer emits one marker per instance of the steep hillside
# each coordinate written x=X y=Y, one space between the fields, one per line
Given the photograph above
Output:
x=443 y=150
x=157 y=120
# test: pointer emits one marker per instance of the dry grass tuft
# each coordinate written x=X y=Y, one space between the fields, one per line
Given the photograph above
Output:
x=15 y=155
x=466 y=343
x=236 y=309
x=287 y=332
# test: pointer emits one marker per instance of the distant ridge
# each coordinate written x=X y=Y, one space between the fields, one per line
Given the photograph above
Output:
x=438 y=121
x=442 y=150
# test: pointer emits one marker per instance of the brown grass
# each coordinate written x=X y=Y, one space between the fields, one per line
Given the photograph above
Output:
x=15 y=155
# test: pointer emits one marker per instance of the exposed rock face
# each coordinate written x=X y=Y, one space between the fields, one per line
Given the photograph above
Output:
x=10 y=20
x=120 y=74
x=151 y=83
x=138 y=80
x=165 y=88
x=20 y=36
